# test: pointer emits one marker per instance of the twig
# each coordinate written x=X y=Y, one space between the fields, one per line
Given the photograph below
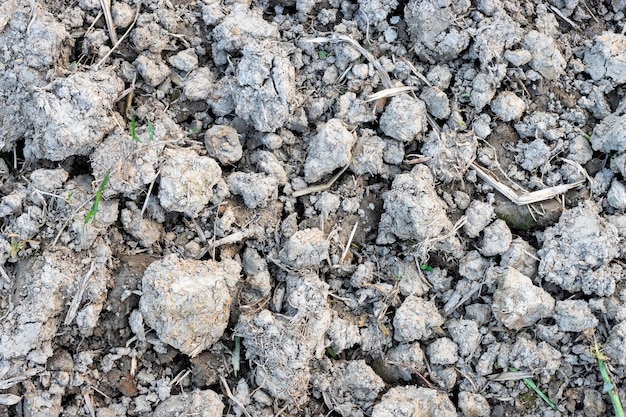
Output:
x=116 y=44
x=389 y=92
x=234 y=399
x=145 y=203
x=78 y=297
x=237 y=237
x=529 y=198
x=349 y=242
x=106 y=9
x=320 y=187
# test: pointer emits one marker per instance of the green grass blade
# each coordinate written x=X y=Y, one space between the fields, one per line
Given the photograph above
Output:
x=531 y=385
x=150 y=131
x=610 y=387
x=96 y=203
x=132 y=129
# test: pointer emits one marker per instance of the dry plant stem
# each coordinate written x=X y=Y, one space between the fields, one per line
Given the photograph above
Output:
x=320 y=187
x=234 y=399
x=520 y=200
x=9 y=382
x=348 y=243
x=389 y=92
x=9 y=399
x=509 y=376
x=71 y=313
x=106 y=9
x=116 y=44
x=238 y=236
x=4 y=275
x=145 y=203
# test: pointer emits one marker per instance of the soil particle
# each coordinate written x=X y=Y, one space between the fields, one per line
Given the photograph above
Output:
x=517 y=303
x=351 y=387
x=574 y=316
x=443 y=351
x=305 y=248
x=508 y=106
x=176 y=291
x=404 y=118
x=473 y=405
x=415 y=319
x=577 y=250
x=411 y=207
x=606 y=57
x=186 y=181
x=411 y=401
x=496 y=239
x=329 y=149
x=201 y=403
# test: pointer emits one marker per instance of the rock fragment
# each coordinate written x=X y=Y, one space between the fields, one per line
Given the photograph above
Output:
x=517 y=303
x=414 y=402
x=330 y=148
x=187 y=302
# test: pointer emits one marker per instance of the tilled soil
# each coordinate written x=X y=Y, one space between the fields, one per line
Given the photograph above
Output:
x=312 y=208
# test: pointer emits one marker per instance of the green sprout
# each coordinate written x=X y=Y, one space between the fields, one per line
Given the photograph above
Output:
x=150 y=131
x=132 y=129
x=331 y=353
x=235 y=354
x=322 y=54
x=587 y=137
x=609 y=387
x=427 y=268
x=531 y=385
x=91 y=214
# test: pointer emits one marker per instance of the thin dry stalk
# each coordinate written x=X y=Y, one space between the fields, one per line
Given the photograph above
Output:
x=389 y=92
x=116 y=44
x=234 y=399
x=106 y=9
x=528 y=198
x=509 y=376
x=320 y=187
x=71 y=313
x=349 y=242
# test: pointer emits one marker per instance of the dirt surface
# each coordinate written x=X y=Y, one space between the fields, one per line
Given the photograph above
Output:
x=311 y=208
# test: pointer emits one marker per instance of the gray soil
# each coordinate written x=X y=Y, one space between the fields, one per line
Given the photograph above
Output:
x=311 y=208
